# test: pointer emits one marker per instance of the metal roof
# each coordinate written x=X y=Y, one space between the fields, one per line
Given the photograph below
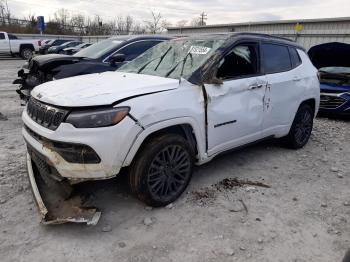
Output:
x=317 y=20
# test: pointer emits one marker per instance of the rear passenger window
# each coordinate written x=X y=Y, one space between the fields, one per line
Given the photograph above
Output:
x=275 y=58
x=296 y=61
x=2 y=36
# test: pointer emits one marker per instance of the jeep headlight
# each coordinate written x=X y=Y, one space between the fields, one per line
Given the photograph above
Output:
x=98 y=117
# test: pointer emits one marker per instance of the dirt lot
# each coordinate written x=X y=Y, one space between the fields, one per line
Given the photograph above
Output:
x=303 y=216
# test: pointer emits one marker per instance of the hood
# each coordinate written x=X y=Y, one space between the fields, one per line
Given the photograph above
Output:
x=330 y=55
x=100 y=89
x=45 y=59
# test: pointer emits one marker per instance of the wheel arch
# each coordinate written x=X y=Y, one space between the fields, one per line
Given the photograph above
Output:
x=311 y=102
x=22 y=46
x=186 y=128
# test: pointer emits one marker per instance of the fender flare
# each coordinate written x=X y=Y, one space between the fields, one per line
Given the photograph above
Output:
x=149 y=130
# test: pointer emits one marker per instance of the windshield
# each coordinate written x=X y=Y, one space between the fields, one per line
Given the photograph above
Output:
x=173 y=58
x=336 y=70
x=99 y=49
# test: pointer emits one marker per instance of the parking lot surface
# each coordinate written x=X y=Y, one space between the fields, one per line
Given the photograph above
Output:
x=261 y=203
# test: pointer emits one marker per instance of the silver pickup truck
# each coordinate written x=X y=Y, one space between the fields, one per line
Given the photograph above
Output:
x=10 y=44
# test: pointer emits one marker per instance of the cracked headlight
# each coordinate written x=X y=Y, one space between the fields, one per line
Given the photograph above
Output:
x=98 y=117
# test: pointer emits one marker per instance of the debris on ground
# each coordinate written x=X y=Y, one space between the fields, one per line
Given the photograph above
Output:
x=208 y=194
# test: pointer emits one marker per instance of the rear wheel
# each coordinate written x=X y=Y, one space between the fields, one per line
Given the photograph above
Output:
x=26 y=53
x=162 y=170
x=301 y=129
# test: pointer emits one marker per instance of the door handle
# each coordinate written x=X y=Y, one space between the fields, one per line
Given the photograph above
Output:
x=257 y=86
x=296 y=79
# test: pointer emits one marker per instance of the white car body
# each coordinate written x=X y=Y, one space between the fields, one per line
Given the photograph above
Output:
x=215 y=117
x=162 y=109
x=15 y=46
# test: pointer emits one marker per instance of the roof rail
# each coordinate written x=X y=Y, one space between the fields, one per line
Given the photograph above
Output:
x=263 y=35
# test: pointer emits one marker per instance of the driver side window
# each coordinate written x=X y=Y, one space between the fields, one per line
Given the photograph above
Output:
x=241 y=61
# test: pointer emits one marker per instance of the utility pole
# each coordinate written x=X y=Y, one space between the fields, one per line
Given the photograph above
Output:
x=202 y=18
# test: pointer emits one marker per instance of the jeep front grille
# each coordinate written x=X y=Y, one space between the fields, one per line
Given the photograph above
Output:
x=45 y=115
x=331 y=102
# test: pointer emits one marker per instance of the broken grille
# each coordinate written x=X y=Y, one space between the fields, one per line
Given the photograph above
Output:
x=331 y=102
x=45 y=115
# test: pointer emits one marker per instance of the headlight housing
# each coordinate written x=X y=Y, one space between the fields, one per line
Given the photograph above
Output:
x=97 y=117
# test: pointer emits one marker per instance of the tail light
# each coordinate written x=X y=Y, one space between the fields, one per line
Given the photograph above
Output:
x=39 y=43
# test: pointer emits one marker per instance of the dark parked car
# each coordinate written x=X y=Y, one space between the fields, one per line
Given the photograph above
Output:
x=107 y=55
x=75 y=49
x=333 y=62
x=59 y=49
x=43 y=49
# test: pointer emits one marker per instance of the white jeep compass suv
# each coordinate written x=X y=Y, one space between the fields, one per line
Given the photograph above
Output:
x=179 y=104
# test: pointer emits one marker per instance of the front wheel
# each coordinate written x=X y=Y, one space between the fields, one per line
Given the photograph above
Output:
x=162 y=170
x=26 y=53
x=301 y=129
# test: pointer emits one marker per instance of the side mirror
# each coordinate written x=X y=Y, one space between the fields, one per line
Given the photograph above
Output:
x=117 y=58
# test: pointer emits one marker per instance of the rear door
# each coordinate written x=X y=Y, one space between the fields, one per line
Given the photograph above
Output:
x=4 y=43
x=283 y=90
x=235 y=108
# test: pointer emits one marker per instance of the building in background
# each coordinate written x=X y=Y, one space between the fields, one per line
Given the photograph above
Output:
x=307 y=32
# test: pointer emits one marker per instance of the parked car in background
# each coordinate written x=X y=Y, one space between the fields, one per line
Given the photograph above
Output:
x=10 y=44
x=333 y=63
x=75 y=49
x=106 y=55
x=180 y=103
x=60 y=48
x=54 y=42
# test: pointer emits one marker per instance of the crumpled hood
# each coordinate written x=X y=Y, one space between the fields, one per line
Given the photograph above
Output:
x=100 y=89
x=44 y=59
x=330 y=55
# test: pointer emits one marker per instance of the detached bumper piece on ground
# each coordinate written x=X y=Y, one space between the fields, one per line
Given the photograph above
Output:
x=56 y=200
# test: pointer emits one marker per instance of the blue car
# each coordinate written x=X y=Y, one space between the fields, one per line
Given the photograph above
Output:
x=333 y=62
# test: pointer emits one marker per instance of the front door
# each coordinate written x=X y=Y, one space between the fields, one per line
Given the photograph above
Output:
x=4 y=44
x=235 y=107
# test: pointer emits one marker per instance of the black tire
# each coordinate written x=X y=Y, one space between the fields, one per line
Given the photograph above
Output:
x=301 y=129
x=26 y=53
x=161 y=170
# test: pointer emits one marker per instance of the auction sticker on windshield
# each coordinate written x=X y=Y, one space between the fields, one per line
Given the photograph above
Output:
x=199 y=50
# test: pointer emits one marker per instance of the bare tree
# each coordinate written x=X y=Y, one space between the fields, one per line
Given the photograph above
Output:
x=154 y=25
x=5 y=13
x=129 y=23
x=138 y=28
x=78 y=23
x=120 y=25
x=196 y=22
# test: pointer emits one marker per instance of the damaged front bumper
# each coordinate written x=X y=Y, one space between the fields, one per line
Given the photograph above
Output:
x=55 y=197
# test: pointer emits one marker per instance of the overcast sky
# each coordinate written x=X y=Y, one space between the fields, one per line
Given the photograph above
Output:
x=219 y=11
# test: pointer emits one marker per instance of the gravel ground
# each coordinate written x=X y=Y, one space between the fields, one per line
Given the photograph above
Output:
x=303 y=216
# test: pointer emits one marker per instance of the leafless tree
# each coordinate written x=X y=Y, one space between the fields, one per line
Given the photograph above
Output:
x=120 y=25
x=196 y=22
x=154 y=25
x=78 y=23
x=129 y=23
x=5 y=13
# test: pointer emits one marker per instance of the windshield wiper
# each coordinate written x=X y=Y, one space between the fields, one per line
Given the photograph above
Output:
x=177 y=64
x=160 y=57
